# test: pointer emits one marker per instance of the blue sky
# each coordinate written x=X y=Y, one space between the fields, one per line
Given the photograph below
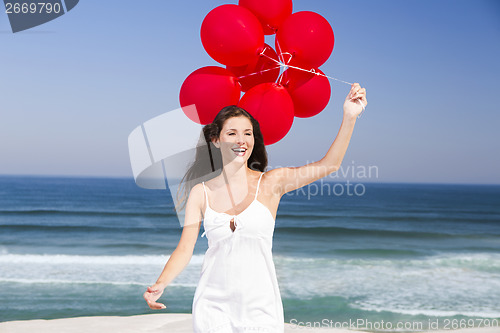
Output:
x=74 y=88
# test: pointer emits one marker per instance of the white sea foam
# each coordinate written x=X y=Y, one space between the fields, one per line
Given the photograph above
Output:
x=55 y=281
x=61 y=268
x=487 y=313
x=89 y=260
x=440 y=285
x=435 y=285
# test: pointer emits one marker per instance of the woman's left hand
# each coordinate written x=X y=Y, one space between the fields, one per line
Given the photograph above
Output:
x=352 y=105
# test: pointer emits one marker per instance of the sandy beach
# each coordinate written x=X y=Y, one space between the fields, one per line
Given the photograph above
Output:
x=153 y=323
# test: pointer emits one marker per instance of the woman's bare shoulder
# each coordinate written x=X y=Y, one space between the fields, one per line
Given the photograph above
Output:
x=197 y=193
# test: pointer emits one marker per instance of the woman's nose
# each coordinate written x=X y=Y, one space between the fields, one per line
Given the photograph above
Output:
x=240 y=139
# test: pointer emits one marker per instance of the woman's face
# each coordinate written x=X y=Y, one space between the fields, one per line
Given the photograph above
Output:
x=236 y=139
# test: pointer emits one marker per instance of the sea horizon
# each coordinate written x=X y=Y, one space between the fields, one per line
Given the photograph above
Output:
x=368 y=181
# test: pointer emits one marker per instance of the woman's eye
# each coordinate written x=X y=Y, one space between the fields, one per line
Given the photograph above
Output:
x=249 y=134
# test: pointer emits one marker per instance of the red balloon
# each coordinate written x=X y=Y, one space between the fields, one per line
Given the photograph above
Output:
x=310 y=92
x=262 y=69
x=271 y=13
x=271 y=105
x=232 y=35
x=308 y=37
x=210 y=89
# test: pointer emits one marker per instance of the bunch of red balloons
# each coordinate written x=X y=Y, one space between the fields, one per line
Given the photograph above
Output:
x=233 y=35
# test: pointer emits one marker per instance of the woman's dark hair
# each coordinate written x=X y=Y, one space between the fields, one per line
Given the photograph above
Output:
x=207 y=166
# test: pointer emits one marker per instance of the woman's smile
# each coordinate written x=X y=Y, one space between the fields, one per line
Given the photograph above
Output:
x=240 y=151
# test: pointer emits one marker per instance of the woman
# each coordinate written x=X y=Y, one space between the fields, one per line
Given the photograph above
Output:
x=238 y=288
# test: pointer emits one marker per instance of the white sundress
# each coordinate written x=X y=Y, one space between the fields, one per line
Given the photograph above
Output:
x=238 y=289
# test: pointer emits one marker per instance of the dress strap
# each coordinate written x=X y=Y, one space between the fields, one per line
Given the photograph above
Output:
x=258 y=184
x=206 y=194
x=206 y=199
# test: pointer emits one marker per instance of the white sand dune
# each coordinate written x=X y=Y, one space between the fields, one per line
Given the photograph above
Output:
x=152 y=323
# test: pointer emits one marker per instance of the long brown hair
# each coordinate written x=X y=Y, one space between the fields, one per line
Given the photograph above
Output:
x=207 y=166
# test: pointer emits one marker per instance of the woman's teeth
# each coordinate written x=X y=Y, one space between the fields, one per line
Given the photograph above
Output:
x=240 y=151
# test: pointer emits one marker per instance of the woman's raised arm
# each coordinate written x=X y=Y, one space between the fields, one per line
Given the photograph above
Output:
x=183 y=252
x=291 y=178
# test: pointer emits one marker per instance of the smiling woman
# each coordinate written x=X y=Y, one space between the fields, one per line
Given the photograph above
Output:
x=242 y=144
x=237 y=204
x=239 y=135
x=232 y=131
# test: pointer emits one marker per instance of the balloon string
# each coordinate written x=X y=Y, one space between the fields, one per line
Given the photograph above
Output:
x=362 y=105
x=281 y=63
x=262 y=71
x=280 y=53
x=285 y=66
x=318 y=73
x=280 y=57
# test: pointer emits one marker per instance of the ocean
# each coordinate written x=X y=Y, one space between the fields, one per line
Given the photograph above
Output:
x=381 y=257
